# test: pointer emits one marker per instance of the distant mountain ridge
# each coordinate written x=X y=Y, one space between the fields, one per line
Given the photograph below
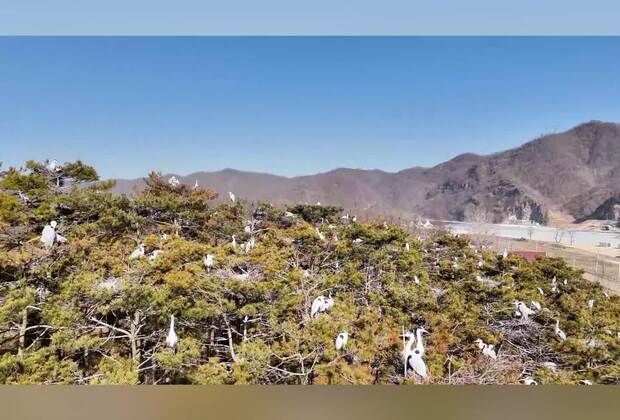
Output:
x=572 y=173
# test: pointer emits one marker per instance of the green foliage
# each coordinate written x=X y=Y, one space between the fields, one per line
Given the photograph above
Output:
x=84 y=312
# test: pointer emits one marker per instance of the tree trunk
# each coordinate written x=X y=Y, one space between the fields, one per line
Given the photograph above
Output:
x=22 y=332
x=135 y=343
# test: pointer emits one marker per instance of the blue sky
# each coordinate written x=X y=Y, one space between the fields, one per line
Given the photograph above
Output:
x=294 y=105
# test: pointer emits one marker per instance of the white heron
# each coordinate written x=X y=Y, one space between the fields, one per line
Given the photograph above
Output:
x=540 y=290
x=556 y=329
x=585 y=382
x=409 y=338
x=529 y=381
x=234 y=241
x=318 y=232
x=328 y=303
x=407 y=247
x=196 y=186
x=486 y=349
x=171 y=339
x=173 y=181
x=419 y=344
x=49 y=236
x=23 y=197
x=536 y=305
x=414 y=361
x=358 y=241
x=505 y=254
x=155 y=254
x=341 y=340
x=208 y=261
x=523 y=310
x=416 y=279
x=289 y=214
x=249 y=245
x=231 y=196
x=137 y=253
x=591 y=304
x=317 y=306
x=53 y=166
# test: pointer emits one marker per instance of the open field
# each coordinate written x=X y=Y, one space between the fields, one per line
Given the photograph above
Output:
x=599 y=264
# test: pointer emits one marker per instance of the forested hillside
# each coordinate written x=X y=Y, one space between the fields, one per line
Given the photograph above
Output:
x=263 y=294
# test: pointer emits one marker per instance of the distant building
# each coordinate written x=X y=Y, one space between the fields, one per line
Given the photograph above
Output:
x=531 y=256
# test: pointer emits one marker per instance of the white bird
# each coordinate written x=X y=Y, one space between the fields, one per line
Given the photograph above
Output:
x=409 y=338
x=341 y=340
x=419 y=344
x=358 y=241
x=173 y=181
x=415 y=362
x=155 y=254
x=317 y=306
x=523 y=310
x=234 y=241
x=561 y=335
x=318 y=232
x=23 y=197
x=49 y=236
x=529 y=381
x=416 y=279
x=407 y=247
x=536 y=305
x=487 y=349
x=231 y=196
x=53 y=166
x=289 y=214
x=328 y=303
x=505 y=254
x=137 y=253
x=585 y=382
x=208 y=261
x=171 y=339
x=249 y=245
x=540 y=290
x=196 y=185
x=591 y=304
x=554 y=285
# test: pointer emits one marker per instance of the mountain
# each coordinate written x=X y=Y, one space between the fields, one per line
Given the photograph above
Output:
x=571 y=174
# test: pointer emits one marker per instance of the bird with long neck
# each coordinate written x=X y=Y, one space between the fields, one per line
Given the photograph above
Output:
x=171 y=339
x=419 y=343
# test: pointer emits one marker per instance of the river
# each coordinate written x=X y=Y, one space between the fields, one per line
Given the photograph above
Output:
x=538 y=233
